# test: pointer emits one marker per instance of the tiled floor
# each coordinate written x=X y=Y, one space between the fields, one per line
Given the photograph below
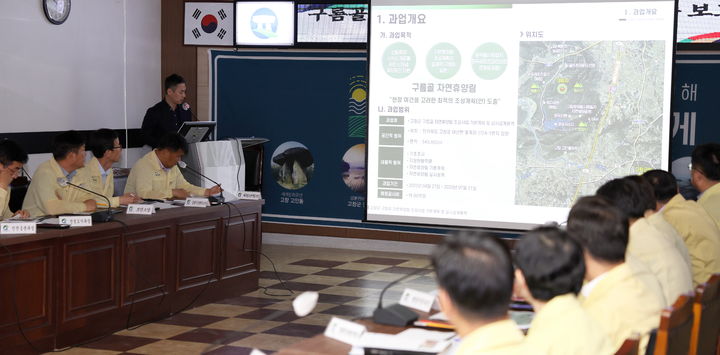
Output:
x=349 y=283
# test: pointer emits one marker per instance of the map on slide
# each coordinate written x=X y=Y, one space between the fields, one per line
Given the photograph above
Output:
x=587 y=112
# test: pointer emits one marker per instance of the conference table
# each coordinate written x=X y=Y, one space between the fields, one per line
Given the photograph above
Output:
x=62 y=287
x=322 y=345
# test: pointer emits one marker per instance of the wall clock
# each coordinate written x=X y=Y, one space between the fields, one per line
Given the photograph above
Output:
x=56 y=11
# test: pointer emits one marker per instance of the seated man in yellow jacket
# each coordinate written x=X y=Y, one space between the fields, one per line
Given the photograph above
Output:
x=705 y=176
x=475 y=274
x=696 y=227
x=615 y=295
x=48 y=194
x=549 y=275
x=157 y=176
x=651 y=245
x=12 y=159
x=106 y=149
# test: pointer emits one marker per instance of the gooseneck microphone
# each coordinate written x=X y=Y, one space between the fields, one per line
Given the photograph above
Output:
x=397 y=314
x=99 y=216
x=184 y=165
x=186 y=107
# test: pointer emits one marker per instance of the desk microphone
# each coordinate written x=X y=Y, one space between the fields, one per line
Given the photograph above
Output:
x=184 y=165
x=397 y=314
x=99 y=216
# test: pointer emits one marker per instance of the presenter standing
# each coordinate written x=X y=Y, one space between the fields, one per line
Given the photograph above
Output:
x=167 y=115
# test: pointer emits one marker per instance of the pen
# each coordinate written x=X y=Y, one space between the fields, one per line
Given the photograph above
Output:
x=432 y=324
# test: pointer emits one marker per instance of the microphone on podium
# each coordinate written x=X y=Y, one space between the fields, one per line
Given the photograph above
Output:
x=186 y=107
x=184 y=165
x=99 y=216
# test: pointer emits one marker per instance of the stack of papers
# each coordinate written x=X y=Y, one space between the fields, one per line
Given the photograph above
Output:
x=165 y=205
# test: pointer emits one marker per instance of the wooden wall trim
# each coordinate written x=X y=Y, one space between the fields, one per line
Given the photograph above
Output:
x=175 y=57
x=344 y=232
x=360 y=233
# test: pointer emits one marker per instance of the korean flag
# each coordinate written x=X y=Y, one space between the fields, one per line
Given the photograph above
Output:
x=208 y=23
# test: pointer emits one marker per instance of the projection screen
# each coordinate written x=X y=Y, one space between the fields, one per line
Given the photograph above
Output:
x=501 y=115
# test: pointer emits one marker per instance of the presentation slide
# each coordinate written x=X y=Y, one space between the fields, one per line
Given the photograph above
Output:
x=502 y=115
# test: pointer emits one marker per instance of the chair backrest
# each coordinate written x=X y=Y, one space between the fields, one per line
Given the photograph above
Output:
x=676 y=321
x=706 y=326
x=631 y=346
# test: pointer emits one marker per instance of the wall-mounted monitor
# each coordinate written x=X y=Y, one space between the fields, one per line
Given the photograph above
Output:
x=698 y=24
x=264 y=23
x=332 y=23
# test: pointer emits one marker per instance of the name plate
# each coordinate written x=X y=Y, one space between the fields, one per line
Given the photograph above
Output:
x=345 y=331
x=137 y=208
x=250 y=195
x=422 y=301
x=197 y=202
x=18 y=228
x=76 y=221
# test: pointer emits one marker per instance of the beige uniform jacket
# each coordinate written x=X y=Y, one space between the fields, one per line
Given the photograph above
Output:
x=700 y=234
x=94 y=182
x=45 y=196
x=563 y=327
x=622 y=304
x=710 y=201
x=653 y=248
x=658 y=221
x=497 y=338
x=4 y=204
x=148 y=179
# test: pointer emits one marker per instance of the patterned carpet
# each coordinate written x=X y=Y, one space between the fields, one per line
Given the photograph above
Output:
x=349 y=283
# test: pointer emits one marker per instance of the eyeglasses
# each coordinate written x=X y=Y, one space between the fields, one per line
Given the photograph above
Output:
x=117 y=147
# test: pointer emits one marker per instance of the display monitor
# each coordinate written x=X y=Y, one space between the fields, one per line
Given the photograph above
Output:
x=264 y=23
x=502 y=114
x=196 y=131
x=698 y=24
x=332 y=23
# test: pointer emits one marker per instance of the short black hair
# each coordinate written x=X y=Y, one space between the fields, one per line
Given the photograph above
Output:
x=664 y=184
x=551 y=262
x=629 y=195
x=101 y=141
x=706 y=158
x=600 y=228
x=475 y=268
x=11 y=152
x=66 y=142
x=172 y=81
x=172 y=141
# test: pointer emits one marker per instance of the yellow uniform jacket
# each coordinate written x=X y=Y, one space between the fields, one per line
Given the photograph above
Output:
x=4 y=201
x=149 y=180
x=45 y=196
x=622 y=304
x=653 y=248
x=563 y=327
x=710 y=201
x=497 y=338
x=700 y=234
x=94 y=182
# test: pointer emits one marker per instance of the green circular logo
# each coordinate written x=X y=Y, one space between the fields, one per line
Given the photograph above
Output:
x=399 y=60
x=489 y=61
x=443 y=60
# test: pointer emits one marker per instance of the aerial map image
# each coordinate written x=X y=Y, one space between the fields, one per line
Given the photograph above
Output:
x=587 y=112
